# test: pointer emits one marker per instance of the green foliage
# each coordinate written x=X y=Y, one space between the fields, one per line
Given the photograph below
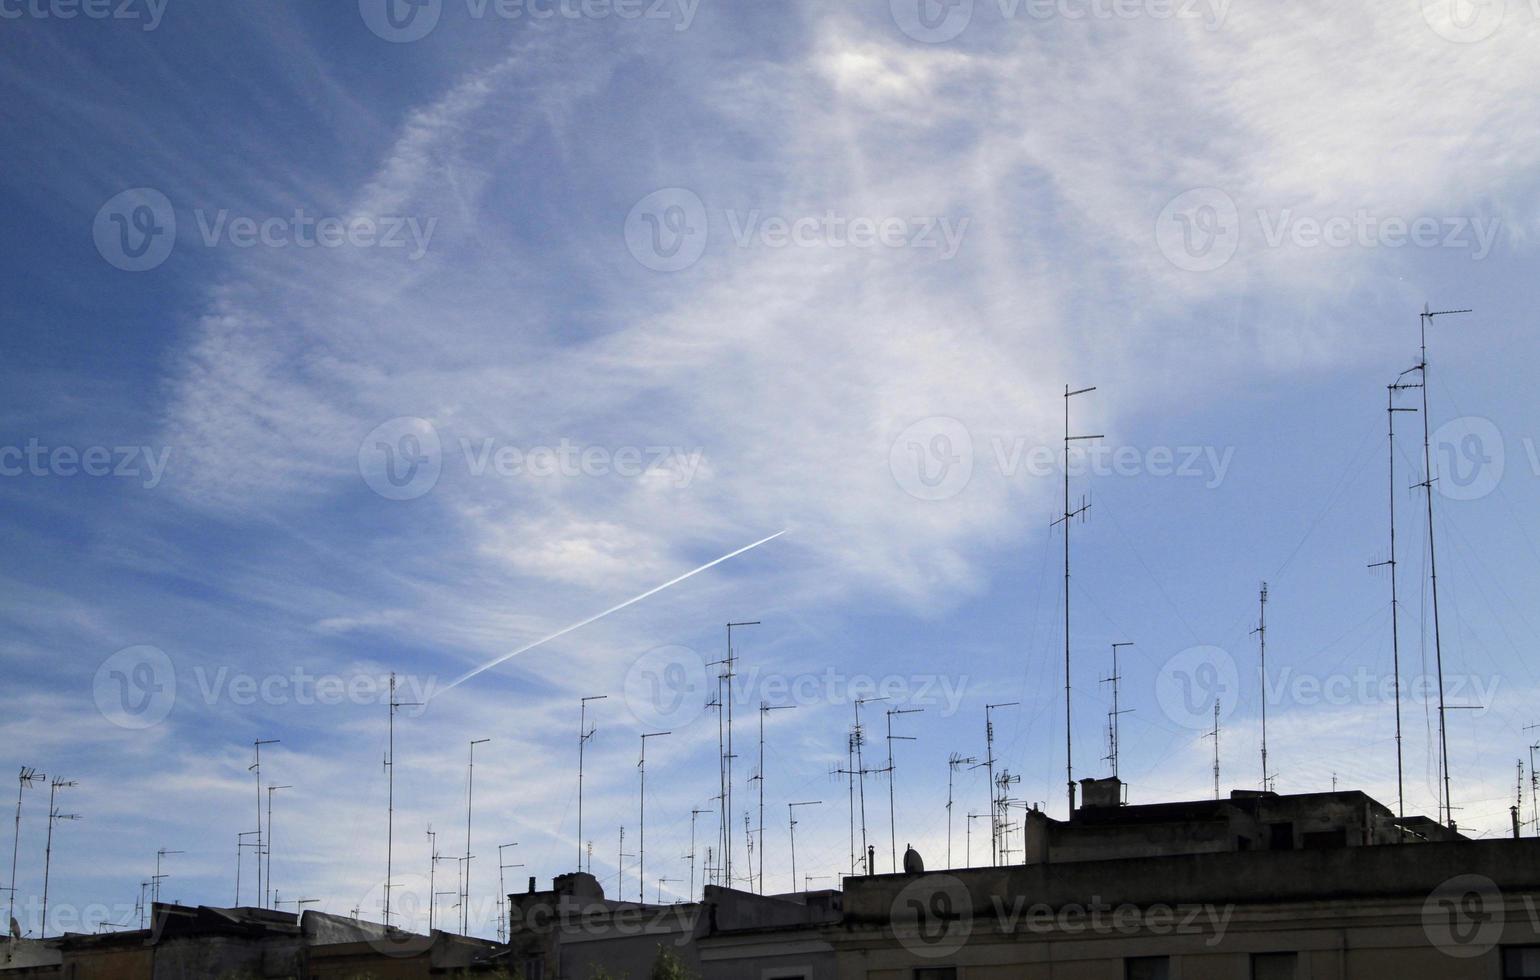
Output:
x=668 y=967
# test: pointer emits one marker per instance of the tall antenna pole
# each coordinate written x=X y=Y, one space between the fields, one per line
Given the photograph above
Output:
x=953 y=763
x=53 y=816
x=1438 y=645
x=270 y=791
x=1067 y=519
x=433 y=860
x=791 y=819
x=1215 y=736
x=584 y=734
x=989 y=763
x=1534 y=782
x=694 y=812
x=390 y=795
x=892 y=771
x=164 y=852
x=1261 y=632
x=29 y=777
x=1112 y=716
x=641 y=849
x=502 y=891
x=256 y=769
x=470 y=786
x=728 y=673
x=1395 y=604
x=620 y=883
x=861 y=772
x=240 y=845
x=764 y=709
x=850 y=773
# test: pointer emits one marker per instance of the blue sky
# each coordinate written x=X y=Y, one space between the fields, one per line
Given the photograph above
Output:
x=634 y=292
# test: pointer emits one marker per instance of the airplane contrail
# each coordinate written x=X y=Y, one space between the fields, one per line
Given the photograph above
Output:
x=613 y=609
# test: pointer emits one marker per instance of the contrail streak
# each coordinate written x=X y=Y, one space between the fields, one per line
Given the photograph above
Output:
x=595 y=618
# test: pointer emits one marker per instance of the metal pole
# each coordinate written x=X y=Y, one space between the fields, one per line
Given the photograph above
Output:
x=270 y=791
x=28 y=777
x=1261 y=632
x=53 y=815
x=791 y=814
x=1438 y=645
x=1068 y=518
x=641 y=848
x=256 y=769
x=892 y=773
x=1395 y=604
x=584 y=734
x=470 y=785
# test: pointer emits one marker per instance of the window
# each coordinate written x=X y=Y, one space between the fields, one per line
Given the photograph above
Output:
x=1521 y=963
x=1274 y=966
x=1280 y=836
x=1147 y=968
x=935 y=973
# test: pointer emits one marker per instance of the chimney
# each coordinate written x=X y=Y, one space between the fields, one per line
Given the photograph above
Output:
x=531 y=884
x=1513 y=811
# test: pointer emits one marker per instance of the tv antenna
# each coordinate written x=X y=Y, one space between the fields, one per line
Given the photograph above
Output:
x=1215 y=736
x=256 y=770
x=954 y=763
x=1395 y=604
x=989 y=764
x=968 y=831
x=240 y=845
x=433 y=860
x=862 y=772
x=1534 y=782
x=584 y=734
x=1261 y=633
x=159 y=855
x=1428 y=316
x=694 y=812
x=764 y=709
x=725 y=679
x=1113 y=715
x=641 y=849
x=892 y=772
x=502 y=891
x=470 y=786
x=791 y=820
x=390 y=794
x=1068 y=518
x=270 y=791
x=620 y=884
x=29 y=777
x=54 y=816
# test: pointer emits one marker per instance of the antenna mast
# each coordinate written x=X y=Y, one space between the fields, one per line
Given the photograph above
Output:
x=53 y=817
x=989 y=764
x=862 y=772
x=470 y=786
x=954 y=763
x=1395 y=605
x=1261 y=632
x=1215 y=736
x=641 y=850
x=764 y=709
x=256 y=769
x=390 y=797
x=1112 y=716
x=791 y=816
x=28 y=777
x=892 y=771
x=1438 y=645
x=1066 y=519
x=584 y=734
x=270 y=791
x=728 y=673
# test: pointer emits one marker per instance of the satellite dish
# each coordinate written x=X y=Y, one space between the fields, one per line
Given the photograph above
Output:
x=913 y=863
